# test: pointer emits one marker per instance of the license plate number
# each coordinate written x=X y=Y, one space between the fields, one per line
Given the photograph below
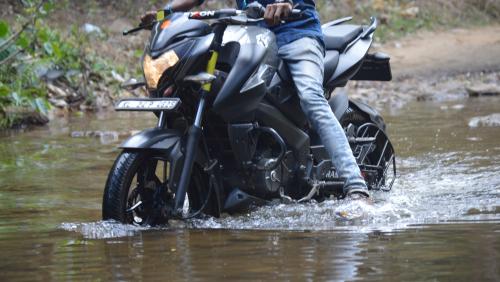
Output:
x=161 y=104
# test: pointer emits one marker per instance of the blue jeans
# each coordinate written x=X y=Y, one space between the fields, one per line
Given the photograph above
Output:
x=305 y=61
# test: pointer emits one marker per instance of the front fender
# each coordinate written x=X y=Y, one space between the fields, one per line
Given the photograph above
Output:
x=153 y=138
x=172 y=142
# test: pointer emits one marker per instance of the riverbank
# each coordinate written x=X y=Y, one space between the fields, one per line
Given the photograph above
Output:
x=439 y=65
x=431 y=62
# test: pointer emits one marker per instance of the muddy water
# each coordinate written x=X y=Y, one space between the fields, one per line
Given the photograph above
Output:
x=441 y=221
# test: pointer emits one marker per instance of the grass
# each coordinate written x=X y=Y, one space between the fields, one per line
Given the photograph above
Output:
x=397 y=21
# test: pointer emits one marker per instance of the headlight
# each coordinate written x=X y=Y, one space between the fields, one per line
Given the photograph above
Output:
x=154 y=68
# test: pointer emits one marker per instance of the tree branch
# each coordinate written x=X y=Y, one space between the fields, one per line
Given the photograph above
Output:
x=9 y=41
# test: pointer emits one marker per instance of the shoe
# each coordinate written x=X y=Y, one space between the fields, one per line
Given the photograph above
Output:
x=359 y=195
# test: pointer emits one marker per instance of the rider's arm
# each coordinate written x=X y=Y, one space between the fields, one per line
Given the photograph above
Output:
x=182 y=5
x=173 y=6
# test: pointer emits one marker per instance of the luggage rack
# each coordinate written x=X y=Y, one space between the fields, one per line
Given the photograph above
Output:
x=374 y=154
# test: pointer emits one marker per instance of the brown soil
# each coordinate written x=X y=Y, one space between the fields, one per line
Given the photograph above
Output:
x=435 y=66
x=451 y=52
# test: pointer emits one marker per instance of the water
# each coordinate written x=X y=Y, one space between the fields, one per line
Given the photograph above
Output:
x=440 y=222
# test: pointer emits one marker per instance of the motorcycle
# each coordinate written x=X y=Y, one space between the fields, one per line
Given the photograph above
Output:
x=231 y=134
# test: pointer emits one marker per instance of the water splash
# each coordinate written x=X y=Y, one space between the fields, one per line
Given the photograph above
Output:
x=426 y=192
x=102 y=229
x=492 y=120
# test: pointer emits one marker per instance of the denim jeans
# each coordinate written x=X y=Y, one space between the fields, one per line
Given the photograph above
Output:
x=305 y=61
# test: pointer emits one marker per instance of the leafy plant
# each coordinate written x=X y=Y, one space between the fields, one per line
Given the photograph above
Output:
x=22 y=95
x=29 y=51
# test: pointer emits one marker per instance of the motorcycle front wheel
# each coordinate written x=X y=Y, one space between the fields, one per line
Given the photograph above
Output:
x=137 y=190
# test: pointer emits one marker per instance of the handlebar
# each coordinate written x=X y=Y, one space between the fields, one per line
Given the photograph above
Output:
x=252 y=14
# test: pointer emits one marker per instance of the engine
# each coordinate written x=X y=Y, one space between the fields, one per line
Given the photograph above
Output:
x=261 y=153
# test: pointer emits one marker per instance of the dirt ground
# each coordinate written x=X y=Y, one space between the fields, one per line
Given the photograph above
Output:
x=435 y=66
x=428 y=65
x=449 y=52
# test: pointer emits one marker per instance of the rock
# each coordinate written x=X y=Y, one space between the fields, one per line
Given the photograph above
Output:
x=116 y=76
x=105 y=137
x=384 y=19
x=103 y=99
x=58 y=92
x=58 y=103
x=410 y=13
x=92 y=30
x=52 y=75
x=483 y=89
x=26 y=116
x=492 y=120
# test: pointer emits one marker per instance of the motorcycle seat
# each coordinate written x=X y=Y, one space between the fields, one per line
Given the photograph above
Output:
x=337 y=37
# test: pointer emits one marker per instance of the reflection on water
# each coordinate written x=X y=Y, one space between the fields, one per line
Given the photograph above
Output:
x=439 y=222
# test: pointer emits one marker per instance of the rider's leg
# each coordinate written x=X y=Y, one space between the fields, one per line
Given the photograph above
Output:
x=305 y=60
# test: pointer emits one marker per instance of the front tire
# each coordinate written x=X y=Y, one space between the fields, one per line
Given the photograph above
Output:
x=141 y=176
x=118 y=188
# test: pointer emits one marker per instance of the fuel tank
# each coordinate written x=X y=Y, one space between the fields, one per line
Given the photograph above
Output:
x=252 y=65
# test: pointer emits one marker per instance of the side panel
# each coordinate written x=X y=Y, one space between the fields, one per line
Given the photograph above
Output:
x=339 y=104
x=294 y=137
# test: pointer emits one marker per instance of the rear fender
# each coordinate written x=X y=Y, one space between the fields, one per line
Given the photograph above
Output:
x=374 y=115
x=340 y=103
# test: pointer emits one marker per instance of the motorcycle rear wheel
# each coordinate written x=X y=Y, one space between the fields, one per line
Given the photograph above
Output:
x=141 y=176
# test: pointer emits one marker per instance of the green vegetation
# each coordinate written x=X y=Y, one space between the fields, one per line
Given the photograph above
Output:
x=401 y=17
x=21 y=92
x=31 y=54
x=38 y=42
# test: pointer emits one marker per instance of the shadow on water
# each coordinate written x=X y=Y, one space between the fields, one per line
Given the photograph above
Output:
x=441 y=221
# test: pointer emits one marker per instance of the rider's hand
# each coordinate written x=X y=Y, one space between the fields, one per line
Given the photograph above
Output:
x=148 y=18
x=276 y=12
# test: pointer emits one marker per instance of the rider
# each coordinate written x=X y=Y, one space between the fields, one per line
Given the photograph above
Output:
x=301 y=46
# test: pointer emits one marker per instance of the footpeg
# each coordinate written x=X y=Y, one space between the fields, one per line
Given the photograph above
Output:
x=361 y=140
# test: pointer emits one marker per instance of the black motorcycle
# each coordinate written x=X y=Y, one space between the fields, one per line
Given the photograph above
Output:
x=231 y=134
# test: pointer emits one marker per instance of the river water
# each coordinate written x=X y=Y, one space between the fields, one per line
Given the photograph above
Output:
x=440 y=222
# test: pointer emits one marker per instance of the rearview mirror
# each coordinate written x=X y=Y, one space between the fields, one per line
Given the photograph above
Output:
x=132 y=84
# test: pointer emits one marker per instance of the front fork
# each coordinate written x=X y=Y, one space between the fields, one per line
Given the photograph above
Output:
x=193 y=140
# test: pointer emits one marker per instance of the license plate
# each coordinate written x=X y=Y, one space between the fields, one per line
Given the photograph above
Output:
x=148 y=105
